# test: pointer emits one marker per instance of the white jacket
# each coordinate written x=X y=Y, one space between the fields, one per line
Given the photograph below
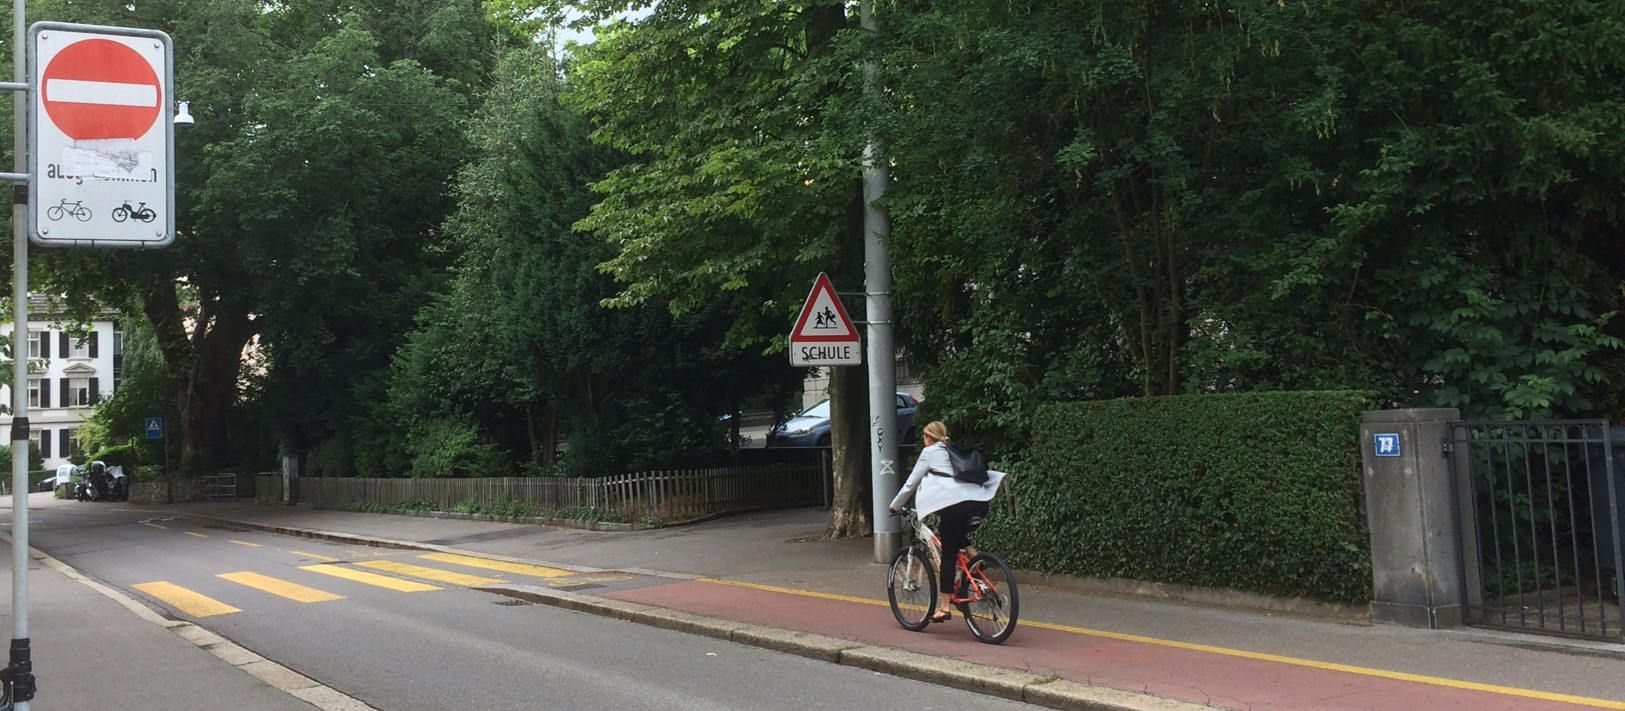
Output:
x=936 y=493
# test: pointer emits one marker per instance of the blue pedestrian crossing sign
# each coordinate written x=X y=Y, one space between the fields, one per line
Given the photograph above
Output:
x=1386 y=444
x=155 y=428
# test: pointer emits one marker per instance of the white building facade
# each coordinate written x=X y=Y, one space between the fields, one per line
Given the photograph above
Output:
x=72 y=367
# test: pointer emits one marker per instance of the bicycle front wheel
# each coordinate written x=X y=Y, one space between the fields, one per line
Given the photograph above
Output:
x=992 y=615
x=911 y=586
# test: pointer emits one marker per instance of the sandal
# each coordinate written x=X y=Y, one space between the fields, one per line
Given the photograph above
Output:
x=942 y=616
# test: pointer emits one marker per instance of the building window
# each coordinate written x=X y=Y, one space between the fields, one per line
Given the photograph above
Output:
x=118 y=357
x=34 y=387
x=36 y=439
x=78 y=392
x=35 y=338
x=81 y=345
x=70 y=442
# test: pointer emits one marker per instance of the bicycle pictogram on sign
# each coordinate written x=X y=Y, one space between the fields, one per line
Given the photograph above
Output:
x=68 y=209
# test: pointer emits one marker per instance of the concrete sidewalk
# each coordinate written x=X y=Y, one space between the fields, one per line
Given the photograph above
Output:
x=97 y=648
x=737 y=576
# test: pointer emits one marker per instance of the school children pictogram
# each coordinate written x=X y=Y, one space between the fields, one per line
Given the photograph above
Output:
x=824 y=334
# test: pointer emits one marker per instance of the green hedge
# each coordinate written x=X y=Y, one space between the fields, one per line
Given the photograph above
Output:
x=122 y=455
x=1251 y=491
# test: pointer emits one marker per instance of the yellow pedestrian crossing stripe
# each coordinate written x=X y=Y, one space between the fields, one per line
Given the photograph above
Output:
x=198 y=605
x=185 y=600
x=362 y=576
x=195 y=535
x=282 y=588
x=246 y=543
x=315 y=556
x=538 y=571
x=440 y=576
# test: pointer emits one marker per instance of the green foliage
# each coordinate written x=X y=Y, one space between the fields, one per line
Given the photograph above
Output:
x=514 y=509
x=416 y=504
x=35 y=461
x=1252 y=491
x=364 y=507
x=145 y=390
x=588 y=514
x=452 y=447
x=1092 y=200
x=310 y=195
x=555 y=364
x=123 y=455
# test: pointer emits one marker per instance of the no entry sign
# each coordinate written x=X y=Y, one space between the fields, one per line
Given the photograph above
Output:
x=102 y=138
x=98 y=88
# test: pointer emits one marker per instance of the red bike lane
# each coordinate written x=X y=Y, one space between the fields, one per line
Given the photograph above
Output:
x=1226 y=678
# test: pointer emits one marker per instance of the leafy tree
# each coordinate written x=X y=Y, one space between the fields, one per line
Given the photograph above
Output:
x=143 y=391
x=36 y=462
x=1101 y=199
x=743 y=122
x=309 y=192
x=630 y=388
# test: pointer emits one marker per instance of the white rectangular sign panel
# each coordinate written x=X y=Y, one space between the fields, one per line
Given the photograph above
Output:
x=101 y=137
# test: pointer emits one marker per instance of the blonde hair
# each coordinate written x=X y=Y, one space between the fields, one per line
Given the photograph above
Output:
x=937 y=431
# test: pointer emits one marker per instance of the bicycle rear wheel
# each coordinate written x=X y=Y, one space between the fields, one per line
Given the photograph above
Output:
x=993 y=617
x=911 y=586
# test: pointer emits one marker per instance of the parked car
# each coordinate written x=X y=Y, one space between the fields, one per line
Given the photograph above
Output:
x=64 y=476
x=810 y=428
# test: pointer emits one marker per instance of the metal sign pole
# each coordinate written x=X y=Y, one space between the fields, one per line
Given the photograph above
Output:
x=19 y=673
x=877 y=284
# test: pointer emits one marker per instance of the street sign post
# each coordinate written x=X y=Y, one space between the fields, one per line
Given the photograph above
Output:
x=155 y=428
x=102 y=135
x=824 y=334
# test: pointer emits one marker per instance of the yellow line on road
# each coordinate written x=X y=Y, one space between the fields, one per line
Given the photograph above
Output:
x=362 y=576
x=246 y=543
x=314 y=556
x=154 y=525
x=1295 y=661
x=199 y=535
x=504 y=566
x=439 y=576
x=185 y=600
x=283 y=588
x=792 y=591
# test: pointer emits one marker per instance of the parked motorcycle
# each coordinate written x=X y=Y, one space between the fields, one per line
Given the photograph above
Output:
x=102 y=484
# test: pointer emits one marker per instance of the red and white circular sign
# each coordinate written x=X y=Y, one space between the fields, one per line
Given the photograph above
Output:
x=100 y=88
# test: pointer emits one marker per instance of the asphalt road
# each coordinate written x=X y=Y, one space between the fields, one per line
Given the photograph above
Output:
x=366 y=622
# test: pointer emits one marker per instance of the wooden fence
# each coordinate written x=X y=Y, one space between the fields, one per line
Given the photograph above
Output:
x=668 y=495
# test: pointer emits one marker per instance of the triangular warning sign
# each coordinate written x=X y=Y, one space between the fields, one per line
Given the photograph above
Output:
x=823 y=319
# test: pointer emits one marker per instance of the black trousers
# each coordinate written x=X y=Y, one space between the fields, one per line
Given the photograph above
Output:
x=954 y=526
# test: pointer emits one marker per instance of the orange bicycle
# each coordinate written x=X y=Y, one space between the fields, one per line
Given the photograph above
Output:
x=985 y=589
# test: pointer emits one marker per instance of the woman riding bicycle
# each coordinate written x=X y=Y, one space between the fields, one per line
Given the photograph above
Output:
x=960 y=506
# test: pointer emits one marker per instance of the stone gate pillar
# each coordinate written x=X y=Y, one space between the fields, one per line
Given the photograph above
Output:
x=1411 y=508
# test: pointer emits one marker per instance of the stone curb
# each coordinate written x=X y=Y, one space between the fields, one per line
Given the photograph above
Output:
x=271 y=673
x=375 y=542
x=1046 y=691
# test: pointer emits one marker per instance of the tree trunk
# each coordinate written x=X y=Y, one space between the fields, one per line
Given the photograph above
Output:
x=849 y=442
x=204 y=401
x=204 y=358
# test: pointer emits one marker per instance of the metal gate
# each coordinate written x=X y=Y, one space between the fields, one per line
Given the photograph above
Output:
x=1541 y=525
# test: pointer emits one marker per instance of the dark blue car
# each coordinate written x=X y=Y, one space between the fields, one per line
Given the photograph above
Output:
x=810 y=428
